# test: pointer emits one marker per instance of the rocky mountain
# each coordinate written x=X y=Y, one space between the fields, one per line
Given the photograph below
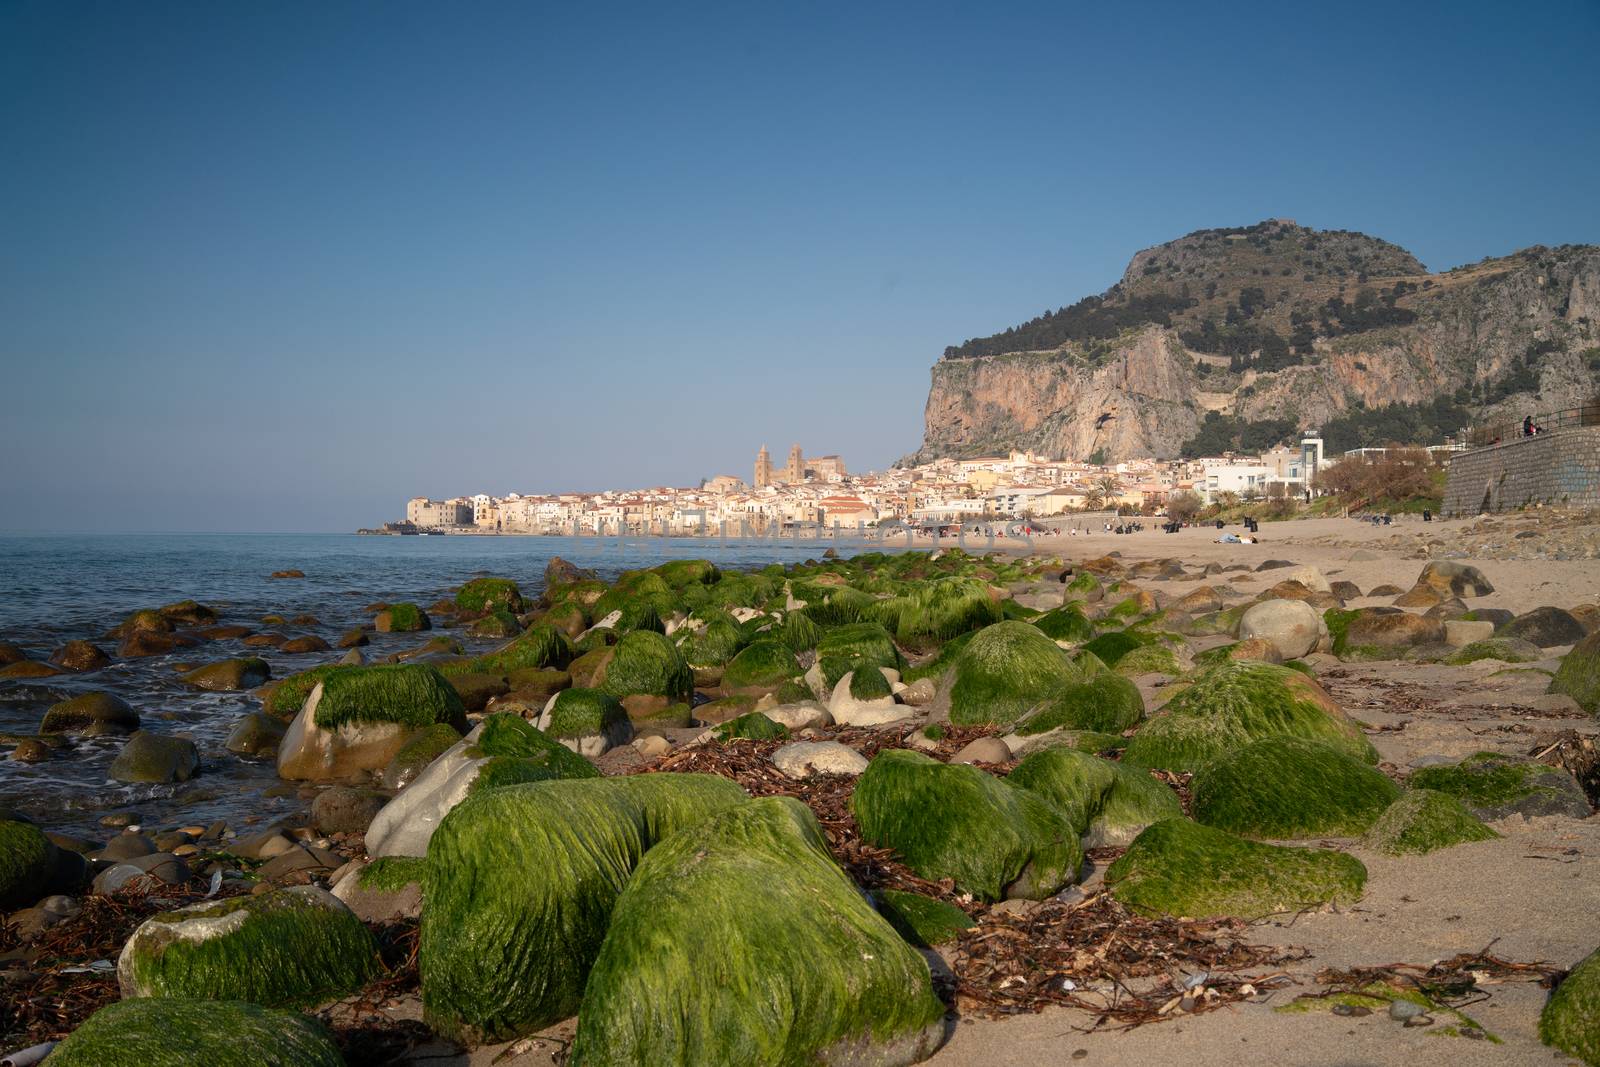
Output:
x=1252 y=334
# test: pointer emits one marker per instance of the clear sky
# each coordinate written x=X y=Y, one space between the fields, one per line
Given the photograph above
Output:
x=279 y=266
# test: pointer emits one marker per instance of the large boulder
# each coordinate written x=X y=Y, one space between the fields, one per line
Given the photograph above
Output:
x=95 y=712
x=1493 y=786
x=483 y=595
x=1570 y=1020
x=503 y=953
x=27 y=862
x=293 y=947
x=1007 y=671
x=1233 y=704
x=1107 y=702
x=807 y=971
x=229 y=675
x=155 y=758
x=1293 y=626
x=959 y=822
x=1579 y=674
x=1422 y=821
x=1067 y=623
x=587 y=721
x=845 y=648
x=1545 y=627
x=358 y=718
x=1386 y=633
x=182 y=1033
x=1178 y=867
x=501 y=750
x=645 y=663
x=760 y=667
x=401 y=618
x=1106 y=803
x=1290 y=787
x=1449 y=578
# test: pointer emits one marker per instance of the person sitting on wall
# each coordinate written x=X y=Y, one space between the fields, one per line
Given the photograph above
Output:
x=1528 y=428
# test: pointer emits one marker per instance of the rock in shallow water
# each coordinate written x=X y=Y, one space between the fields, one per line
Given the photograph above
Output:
x=155 y=758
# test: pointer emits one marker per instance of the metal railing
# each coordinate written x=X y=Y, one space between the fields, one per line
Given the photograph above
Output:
x=1531 y=426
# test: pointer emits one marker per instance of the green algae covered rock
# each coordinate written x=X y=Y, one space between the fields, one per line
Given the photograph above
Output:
x=753 y=725
x=1085 y=587
x=1504 y=649
x=956 y=821
x=288 y=696
x=934 y=612
x=509 y=737
x=1149 y=659
x=1066 y=623
x=714 y=646
x=645 y=662
x=799 y=631
x=1570 y=1020
x=1232 y=704
x=805 y=972
x=404 y=618
x=761 y=665
x=1579 y=674
x=679 y=573
x=1180 y=868
x=1104 y=802
x=27 y=861
x=183 y=1033
x=1422 y=821
x=1111 y=647
x=922 y=921
x=1007 y=671
x=1106 y=703
x=423 y=747
x=358 y=718
x=520 y=885
x=1290 y=787
x=1493 y=786
x=587 y=721
x=292 y=947
x=857 y=643
x=486 y=594
x=498 y=623
x=539 y=646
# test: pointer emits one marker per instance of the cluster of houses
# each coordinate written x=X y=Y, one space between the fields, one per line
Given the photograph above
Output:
x=820 y=494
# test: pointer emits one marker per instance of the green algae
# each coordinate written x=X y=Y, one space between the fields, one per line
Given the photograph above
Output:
x=799 y=631
x=1290 y=787
x=922 y=921
x=856 y=643
x=1110 y=647
x=1150 y=659
x=1067 y=623
x=645 y=662
x=1232 y=704
x=1104 y=802
x=1177 y=867
x=181 y=1033
x=390 y=874
x=408 y=694
x=540 y=645
x=510 y=737
x=584 y=713
x=754 y=726
x=503 y=953
x=1423 y=820
x=714 y=646
x=804 y=972
x=405 y=618
x=293 y=947
x=1007 y=671
x=1570 y=1020
x=287 y=697
x=421 y=749
x=483 y=594
x=1491 y=784
x=1497 y=648
x=27 y=859
x=1106 y=703
x=1579 y=674
x=869 y=683
x=956 y=821
x=763 y=664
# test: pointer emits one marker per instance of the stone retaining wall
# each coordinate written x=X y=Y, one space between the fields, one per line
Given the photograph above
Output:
x=1561 y=467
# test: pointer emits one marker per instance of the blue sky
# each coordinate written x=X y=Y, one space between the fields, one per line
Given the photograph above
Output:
x=280 y=266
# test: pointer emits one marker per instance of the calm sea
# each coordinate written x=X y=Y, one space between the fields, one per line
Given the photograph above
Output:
x=57 y=588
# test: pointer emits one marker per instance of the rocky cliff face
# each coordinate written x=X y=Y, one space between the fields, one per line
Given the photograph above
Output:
x=1273 y=322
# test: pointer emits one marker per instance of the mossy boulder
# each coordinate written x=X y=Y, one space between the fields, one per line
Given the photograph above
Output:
x=1570 y=1020
x=1106 y=803
x=761 y=666
x=587 y=721
x=1107 y=702
x=754 y=726
x=1579 y=674
x=644 y=663
x=923 y=921
x=97 y=711
x=713 y=646
x=540 y=646
x=1504 y=649
x=1493 y=786
x=155 y=758
x=1546 y=627
x=1233 y=704
x=1067 y=623
x=1109 y=648
x=503 y=749
x=1150 y=659
x=1177 y=867
x=1290 y=787
x=1380 y=633
x=182 y=1033
x=293 y=947
x=403 y=618
x=486 y=594
x=27 y=863
x=932 y=613
x=1007 y=671
x=799 y=631
x=679 y=573
x=857 y=643
x=956 y=821
x=805 y=971
x=497 y=623
x=420 y=749
x=504 y=953
x=1085 y=586
x=1422 y=821
x=284 y=699
x=358 y=718
x=229 y=675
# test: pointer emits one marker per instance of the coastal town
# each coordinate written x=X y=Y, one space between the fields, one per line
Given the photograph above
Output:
x=819 y=493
